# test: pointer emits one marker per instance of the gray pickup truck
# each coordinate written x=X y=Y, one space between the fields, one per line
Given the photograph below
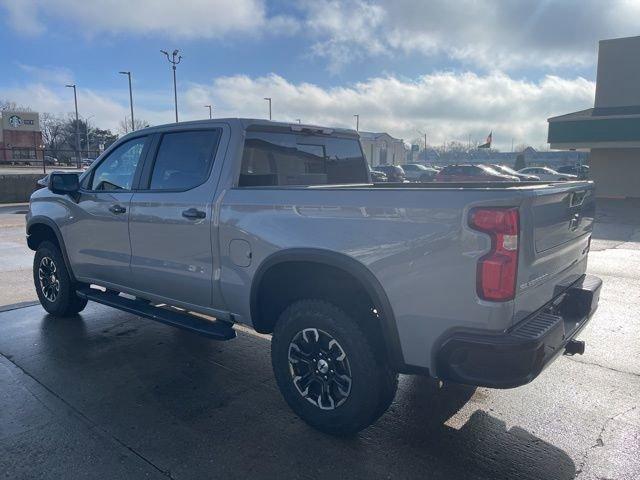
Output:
x=203 y=225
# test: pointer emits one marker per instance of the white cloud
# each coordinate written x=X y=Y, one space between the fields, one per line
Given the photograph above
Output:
x=492 y=34
x=59 y=75
x=185 y=19
x=449 y=106
x=344 y=30
x=21 y=15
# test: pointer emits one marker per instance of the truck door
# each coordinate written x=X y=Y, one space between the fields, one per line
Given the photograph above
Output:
x=172 y=246
x=97 y=239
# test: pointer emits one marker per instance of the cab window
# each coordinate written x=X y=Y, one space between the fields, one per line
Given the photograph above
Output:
x=184 y=159
x=116 y=172
x=273 y=159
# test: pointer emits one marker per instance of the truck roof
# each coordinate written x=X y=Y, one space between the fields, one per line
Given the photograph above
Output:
x=246 y=123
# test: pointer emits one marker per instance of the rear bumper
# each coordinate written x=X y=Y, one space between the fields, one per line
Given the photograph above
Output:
x=517 y=356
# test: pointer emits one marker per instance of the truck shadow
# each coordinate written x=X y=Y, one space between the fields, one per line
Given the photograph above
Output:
x=442 y=423
x=187 y=404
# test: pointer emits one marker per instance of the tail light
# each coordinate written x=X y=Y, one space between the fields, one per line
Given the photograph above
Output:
x=498 y=269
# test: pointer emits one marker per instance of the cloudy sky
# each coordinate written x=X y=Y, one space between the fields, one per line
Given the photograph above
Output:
x=456 y=69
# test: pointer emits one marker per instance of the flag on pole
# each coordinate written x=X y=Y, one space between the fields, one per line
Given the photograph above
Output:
x=487 y=143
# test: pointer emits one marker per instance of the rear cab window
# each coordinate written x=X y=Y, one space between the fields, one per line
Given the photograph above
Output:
x=299 y=159
x=184 y=159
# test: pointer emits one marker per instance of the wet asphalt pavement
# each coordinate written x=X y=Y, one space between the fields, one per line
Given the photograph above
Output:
x=109 y=395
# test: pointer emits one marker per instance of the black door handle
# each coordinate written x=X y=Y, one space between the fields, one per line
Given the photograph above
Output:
x=193 y=213
x=117 y=209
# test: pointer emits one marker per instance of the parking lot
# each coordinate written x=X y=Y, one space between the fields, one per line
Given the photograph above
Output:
x=110 y=395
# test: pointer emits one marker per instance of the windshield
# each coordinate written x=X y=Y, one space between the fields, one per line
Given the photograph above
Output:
x=505 y=169
x=490 y=170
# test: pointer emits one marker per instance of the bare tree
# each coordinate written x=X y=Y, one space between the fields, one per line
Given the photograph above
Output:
x=53 y=131
x=11 y=105
x=124 y=126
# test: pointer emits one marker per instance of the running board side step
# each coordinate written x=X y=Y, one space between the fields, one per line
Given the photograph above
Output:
x=216 y=330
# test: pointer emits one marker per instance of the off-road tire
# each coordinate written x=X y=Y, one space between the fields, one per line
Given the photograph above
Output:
x=63 y=301
x=373 y=385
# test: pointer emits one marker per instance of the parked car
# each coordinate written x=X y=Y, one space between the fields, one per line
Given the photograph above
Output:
x=49 y=160
x=22 y=161
x=416 y=172
x=87 y=162
x=472 y=173
x=547 y=174
x=510 y=171
x=394 y=173
x=377 y=176
x=580 y=171
x=227 y=219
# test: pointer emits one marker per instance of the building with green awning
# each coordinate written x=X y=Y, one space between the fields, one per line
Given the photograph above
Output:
x=610 y=130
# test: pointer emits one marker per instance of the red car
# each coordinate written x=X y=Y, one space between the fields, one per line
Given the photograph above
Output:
x=472 y=173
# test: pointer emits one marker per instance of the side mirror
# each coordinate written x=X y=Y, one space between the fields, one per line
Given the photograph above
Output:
x=64 y=183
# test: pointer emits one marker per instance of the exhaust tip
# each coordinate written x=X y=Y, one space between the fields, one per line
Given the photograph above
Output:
x=574 y=347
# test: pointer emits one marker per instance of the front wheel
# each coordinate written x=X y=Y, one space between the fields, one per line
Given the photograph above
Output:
x=326 y=368
x=56 y=291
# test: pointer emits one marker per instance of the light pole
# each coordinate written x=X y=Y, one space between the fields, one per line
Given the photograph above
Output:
x=357 y=122
x=133 y=124
x=173 y=63
x=75 y=101
x=425 y=143
x=209 y=107
x=86 y=124
x=268 y=99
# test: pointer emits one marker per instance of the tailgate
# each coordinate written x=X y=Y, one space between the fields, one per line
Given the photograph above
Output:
x=561 y=217
x=556 y=224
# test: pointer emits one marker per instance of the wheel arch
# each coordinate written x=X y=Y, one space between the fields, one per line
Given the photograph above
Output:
x=39 y=229
x=342 y=263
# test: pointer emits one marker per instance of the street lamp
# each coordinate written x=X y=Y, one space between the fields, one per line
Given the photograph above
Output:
x=268 y=99
x=209 y=107
x=173 y=63
x=128 y=74
x=357 y=122
x=75 y=101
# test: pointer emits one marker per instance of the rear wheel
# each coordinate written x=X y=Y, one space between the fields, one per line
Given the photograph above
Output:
x=56 y=291
x=326 y=368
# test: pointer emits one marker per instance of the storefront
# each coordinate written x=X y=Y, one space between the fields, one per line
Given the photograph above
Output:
x=610 y=130
x=20 y=137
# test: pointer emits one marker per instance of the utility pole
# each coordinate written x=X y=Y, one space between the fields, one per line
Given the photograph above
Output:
x=173 y=63
x=210 y=114
x=75 y=101
x=268 y=99
x=133 y=124
x=357 y=122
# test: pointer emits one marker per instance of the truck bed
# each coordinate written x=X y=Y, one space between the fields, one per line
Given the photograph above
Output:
x=416 y=240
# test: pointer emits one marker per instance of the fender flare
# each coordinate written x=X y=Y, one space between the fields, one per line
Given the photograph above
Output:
x=356 y=269
x=42 y=220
